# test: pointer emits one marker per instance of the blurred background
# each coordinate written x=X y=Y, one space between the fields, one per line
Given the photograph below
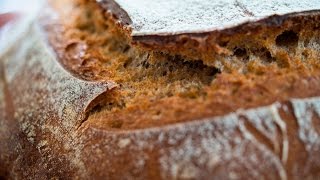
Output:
x=20 y=13
x=17 y=5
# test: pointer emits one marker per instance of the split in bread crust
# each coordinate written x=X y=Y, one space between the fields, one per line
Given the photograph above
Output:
x=156 y=88
x=150 y=114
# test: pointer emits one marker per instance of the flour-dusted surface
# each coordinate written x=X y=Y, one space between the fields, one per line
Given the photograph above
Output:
x=48 y=86
x=46 y=101
x=247 y=144
x=277 y=141
x=158 y=17
x=308 y=118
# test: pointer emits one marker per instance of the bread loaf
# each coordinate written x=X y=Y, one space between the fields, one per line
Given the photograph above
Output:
x=95 y=90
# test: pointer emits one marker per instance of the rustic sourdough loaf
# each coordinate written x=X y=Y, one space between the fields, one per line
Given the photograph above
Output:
x=107 y=90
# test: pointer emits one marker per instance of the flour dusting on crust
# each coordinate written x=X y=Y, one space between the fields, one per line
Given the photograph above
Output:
x=49 y=103
x=308 y=118
x=202 y=148
x=223 y=146
x=48 y=87
x=158 y=17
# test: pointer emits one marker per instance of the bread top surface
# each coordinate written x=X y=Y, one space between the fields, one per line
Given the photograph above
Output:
x=190 y=31
x=177 y=17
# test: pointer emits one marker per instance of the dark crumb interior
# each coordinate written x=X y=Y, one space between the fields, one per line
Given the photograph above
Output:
x=156 y=88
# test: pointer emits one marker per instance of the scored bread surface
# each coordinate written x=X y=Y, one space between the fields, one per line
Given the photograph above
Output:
x=83 y=100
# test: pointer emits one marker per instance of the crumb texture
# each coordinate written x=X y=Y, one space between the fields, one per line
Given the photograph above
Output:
x=157 y=88
x=78 y=100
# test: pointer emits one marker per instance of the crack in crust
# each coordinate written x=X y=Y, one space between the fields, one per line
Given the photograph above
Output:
x=51 y=105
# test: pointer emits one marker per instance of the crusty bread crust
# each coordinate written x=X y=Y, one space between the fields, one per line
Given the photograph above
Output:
x=68 y=112
x=217 y=46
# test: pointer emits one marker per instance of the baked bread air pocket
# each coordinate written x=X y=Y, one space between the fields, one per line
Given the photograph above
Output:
x=238 y=100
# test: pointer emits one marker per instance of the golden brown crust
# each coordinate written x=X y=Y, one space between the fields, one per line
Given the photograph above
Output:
x=190 y=122
x=227 y=91
x=216 y=45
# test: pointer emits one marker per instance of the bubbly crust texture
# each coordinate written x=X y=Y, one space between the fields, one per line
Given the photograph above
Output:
x=78 y=100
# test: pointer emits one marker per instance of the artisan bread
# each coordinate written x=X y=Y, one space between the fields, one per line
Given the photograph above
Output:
x=89 y=92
